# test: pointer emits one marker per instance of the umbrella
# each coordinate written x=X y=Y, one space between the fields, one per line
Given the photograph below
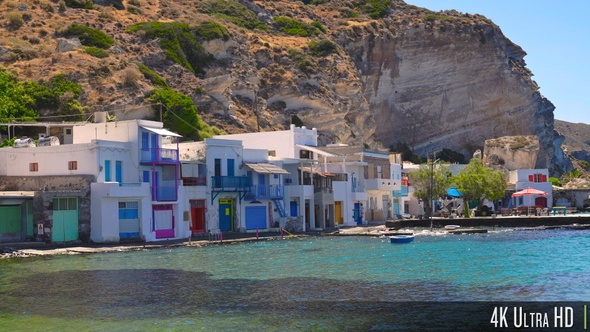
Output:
x=529 y=192
x=453 y=192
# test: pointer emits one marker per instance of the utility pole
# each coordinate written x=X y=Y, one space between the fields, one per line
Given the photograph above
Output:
x=256 y=109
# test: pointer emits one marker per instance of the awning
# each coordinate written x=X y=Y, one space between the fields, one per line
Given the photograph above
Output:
x=315 y=171
x=316 y=150
x=161 y=131
x=263 y=168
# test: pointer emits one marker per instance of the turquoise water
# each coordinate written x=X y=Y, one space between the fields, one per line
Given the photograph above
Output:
x=314 y=283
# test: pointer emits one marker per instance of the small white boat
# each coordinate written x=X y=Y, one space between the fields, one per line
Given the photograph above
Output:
x=401 y=238
x=451 y=227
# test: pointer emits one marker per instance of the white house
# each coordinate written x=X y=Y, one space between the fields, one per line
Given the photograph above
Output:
x=308 y=191
x=536 y=179
x=132 y=188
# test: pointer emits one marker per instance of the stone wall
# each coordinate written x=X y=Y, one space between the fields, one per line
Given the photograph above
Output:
x=47 y=188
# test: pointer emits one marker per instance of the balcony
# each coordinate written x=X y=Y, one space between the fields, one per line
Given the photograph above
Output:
x=401 y=193
x=380 y=184
x=237 y=184
x=270 y=191
x=159 y=155
x=359 y=194
x=194 y=181
x=164 y=193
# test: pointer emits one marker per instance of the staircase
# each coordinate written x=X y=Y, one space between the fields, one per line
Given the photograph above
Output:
x=280 y=204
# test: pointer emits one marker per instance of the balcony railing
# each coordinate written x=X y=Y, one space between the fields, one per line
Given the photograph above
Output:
x=230 y=183
x=401 y=193
x=269 y=191
x=159 y=155
x=164 y=193
x=194 y=181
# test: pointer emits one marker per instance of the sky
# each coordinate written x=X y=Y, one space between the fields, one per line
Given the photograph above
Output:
x=556 y=37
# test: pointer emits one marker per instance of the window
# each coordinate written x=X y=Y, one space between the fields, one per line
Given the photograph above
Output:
x=72 y=165
x=145 y=141
x=305 y=154
x=68 y=131
x=272 y=153
x=107 y=171
x=34 y=167
x=65 y=203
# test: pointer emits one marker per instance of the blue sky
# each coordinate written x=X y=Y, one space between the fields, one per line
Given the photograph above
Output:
x=556 y=37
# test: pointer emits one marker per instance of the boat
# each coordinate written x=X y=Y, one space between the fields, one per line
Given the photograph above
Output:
x=401 y=238
x=451 y=227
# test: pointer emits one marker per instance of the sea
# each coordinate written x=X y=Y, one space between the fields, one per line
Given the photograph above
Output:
x=504 y=279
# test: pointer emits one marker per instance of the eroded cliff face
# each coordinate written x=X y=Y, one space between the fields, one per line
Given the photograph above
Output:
x=450 y=83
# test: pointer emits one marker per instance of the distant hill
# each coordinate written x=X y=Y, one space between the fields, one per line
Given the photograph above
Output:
x=365 y=72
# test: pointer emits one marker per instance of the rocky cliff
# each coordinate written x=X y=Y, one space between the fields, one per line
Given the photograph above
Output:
x=374 y=73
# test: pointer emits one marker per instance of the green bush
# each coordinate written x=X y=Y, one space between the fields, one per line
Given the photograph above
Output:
x=212 y=30
x=180 y=114
x=179 y=43
x=89 y=36
x=375 y=8
x=295 y=28
x=433 y=17
x=46 y=95
x=96 y=52
x=555 y=181
x=15 y=20
x=323 y=47
x=15 y=102
x=296 y=121
x=234 y=12
x=152 y=76
x=86 y=4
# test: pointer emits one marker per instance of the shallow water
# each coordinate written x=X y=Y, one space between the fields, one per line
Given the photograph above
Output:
x=314 y=283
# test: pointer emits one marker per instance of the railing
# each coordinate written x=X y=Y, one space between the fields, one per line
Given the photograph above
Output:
x=230 y=183
x=159 y=155
x=269 y=191
x=358 y=189
x=401 y=193
x=198 y=181
x=164 y=193
x=340 y=177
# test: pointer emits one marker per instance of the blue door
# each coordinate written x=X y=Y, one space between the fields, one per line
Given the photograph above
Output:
x=357 y=213
x=294 y=209
x=146 y=176
x=225 y=214
x=256 y=217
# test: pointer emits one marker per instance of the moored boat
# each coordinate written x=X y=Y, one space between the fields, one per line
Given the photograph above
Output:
x=451 y=227
x=401 y=238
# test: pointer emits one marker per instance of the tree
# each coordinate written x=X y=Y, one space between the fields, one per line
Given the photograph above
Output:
x=475 y=181
x=429 y=182
x=14 y=99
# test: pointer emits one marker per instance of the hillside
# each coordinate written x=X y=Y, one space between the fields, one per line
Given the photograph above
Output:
x=362 y=72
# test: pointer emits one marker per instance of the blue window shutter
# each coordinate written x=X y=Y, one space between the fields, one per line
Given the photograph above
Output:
x=107 y=170
x=118 y=171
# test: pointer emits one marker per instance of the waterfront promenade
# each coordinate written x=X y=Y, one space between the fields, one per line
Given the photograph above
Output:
x=377 y=228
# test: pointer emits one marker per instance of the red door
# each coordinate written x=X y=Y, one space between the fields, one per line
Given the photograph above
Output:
x=197 y=216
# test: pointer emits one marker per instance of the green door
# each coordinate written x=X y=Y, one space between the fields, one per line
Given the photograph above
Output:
x=65 y=219
x=10 y=219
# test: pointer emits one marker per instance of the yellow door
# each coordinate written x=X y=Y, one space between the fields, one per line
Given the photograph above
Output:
x=338 y=212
